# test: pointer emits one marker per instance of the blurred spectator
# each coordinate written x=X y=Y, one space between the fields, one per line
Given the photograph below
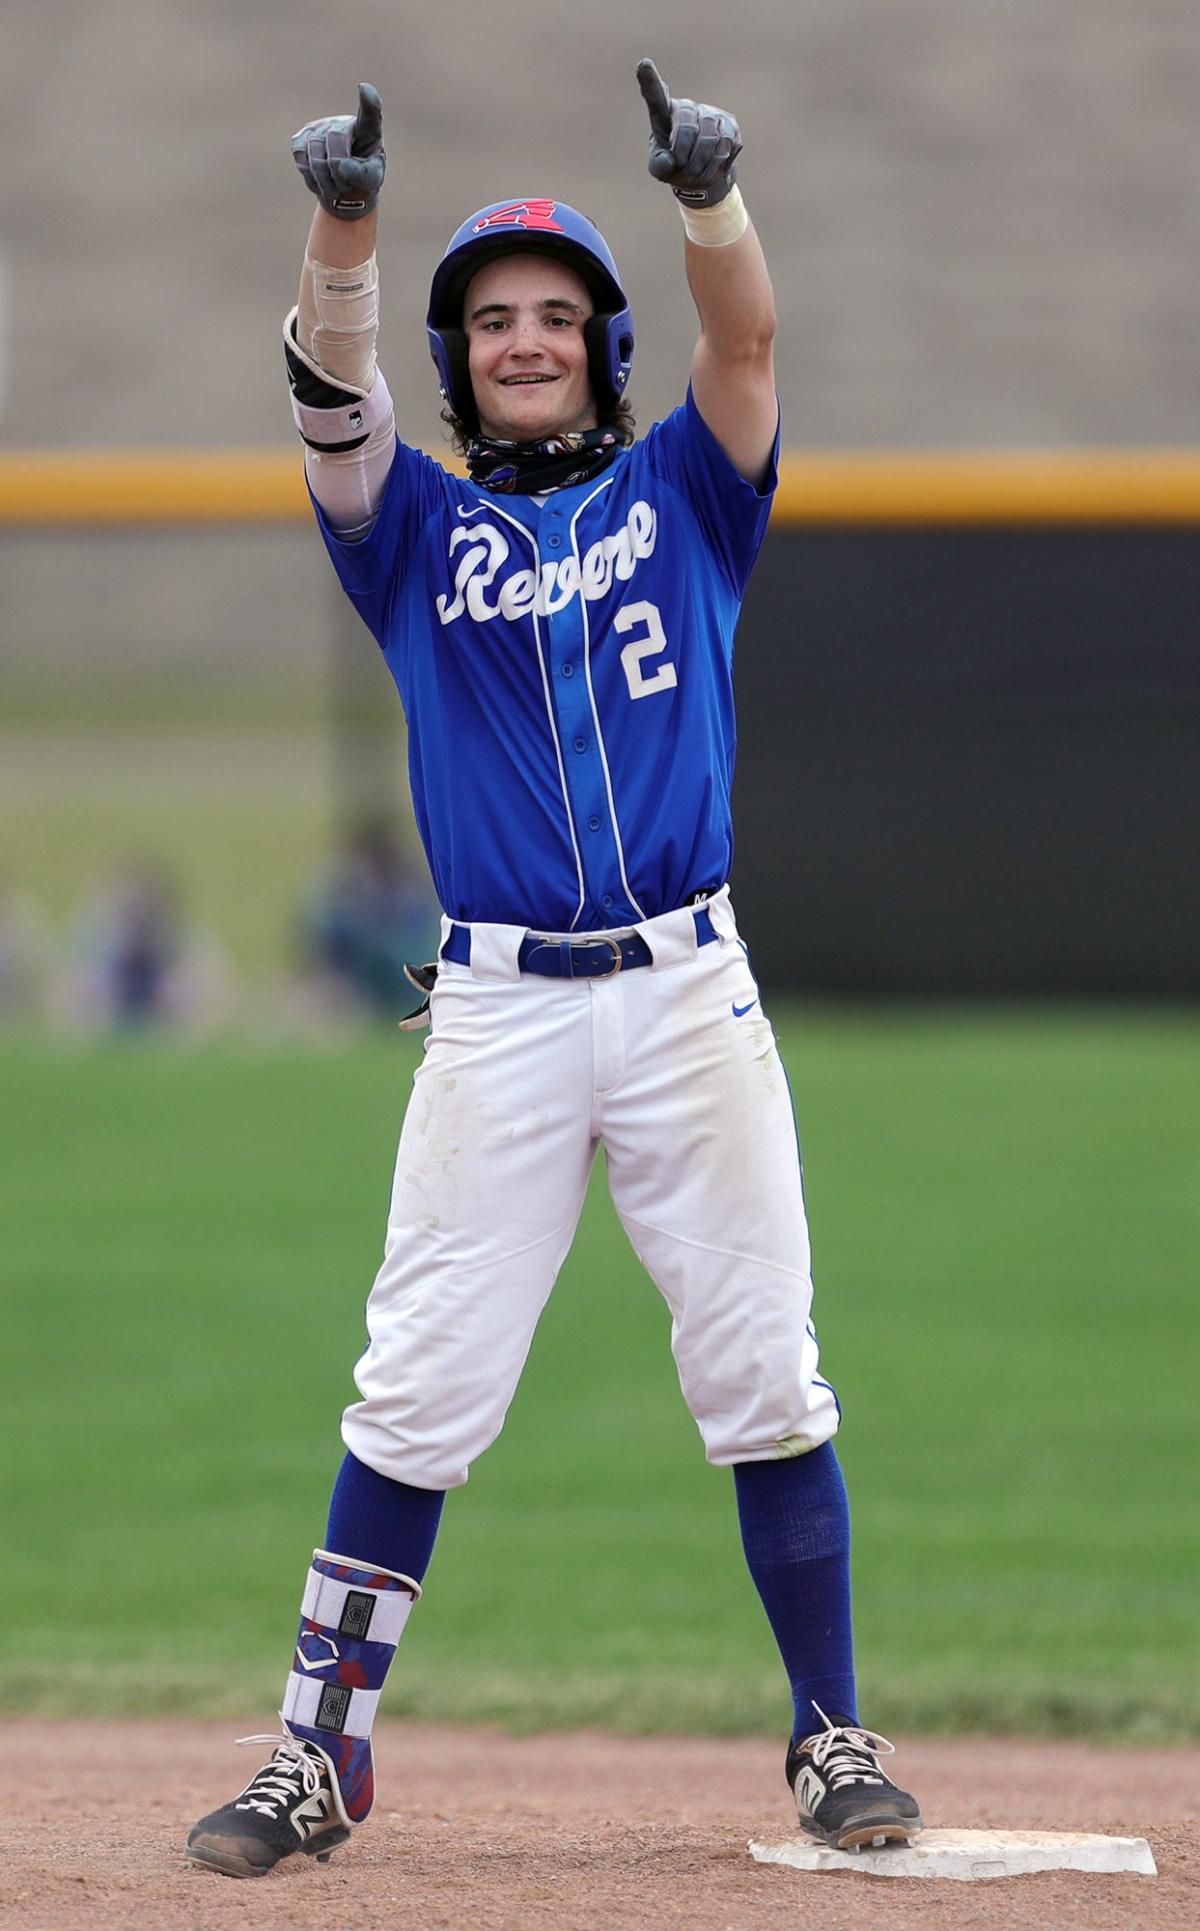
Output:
x=370 y=913
x=137 y=963
x=24 y=955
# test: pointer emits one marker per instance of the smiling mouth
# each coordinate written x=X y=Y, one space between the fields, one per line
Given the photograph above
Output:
x=525 y=381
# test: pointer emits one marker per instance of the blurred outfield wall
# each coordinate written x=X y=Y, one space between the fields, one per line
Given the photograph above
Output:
x=972 y=762
x=969 y=699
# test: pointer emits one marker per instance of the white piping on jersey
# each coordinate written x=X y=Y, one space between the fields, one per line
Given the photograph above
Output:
x=562 y=769
x=587 y=666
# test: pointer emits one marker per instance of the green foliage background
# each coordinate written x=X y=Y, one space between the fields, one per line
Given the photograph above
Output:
x=1005 y=1217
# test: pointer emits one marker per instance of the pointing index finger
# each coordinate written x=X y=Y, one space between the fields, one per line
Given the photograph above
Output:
x=657 y=99
x=368 y=122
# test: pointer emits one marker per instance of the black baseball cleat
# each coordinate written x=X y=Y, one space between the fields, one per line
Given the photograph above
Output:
x=842 y=1796
x=291 y=1805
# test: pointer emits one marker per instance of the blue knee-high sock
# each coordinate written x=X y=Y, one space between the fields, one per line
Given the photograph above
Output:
x=795 y=1523
x=373 y=1520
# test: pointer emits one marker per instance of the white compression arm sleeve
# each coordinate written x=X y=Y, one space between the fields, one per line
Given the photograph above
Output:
x=349 y=483
x=336 y=322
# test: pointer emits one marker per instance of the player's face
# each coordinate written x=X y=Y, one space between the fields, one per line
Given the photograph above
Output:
x=524 y=317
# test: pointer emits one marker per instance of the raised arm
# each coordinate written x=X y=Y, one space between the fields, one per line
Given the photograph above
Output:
x=693 y=148
x=340 y=401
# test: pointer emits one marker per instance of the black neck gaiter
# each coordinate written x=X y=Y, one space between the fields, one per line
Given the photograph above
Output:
x=520 y=469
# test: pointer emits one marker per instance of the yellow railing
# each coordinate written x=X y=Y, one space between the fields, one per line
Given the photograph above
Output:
x=859 y=487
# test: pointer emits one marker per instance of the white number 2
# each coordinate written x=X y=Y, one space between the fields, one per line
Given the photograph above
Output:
x=652 y=641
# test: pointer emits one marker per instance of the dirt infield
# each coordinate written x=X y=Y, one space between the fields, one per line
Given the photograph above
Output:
x=478 y=1829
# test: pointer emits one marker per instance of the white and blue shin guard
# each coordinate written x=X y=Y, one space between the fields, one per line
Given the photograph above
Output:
x=351 y=1620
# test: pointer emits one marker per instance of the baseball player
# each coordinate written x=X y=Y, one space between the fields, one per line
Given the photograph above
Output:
x=560 y=627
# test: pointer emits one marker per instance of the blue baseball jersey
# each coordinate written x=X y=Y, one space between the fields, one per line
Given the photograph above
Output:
x=566 y=670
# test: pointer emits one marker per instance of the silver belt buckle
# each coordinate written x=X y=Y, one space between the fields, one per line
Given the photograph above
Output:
x=618 y=957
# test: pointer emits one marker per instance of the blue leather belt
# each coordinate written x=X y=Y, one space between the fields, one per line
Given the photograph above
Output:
x=575 y=958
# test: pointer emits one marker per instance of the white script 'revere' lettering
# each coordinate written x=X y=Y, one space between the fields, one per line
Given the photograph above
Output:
x=481 y=550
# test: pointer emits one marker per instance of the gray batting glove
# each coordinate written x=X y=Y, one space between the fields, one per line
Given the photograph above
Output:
x=692 y=146
x=342 y=158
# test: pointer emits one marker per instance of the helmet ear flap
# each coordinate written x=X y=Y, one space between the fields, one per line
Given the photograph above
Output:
x=608 y=340
x=451 y=358
x=595 y=341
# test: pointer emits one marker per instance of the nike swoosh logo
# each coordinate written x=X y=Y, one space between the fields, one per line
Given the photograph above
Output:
x=739 y=1010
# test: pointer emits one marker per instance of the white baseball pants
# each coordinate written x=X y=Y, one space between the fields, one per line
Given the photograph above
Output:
x=672 y=1068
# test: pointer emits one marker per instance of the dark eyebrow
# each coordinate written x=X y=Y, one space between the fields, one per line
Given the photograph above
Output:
x=505 y=308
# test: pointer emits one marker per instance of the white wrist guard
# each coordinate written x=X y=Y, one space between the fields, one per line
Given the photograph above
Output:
x=716 y=227
x=337 y=322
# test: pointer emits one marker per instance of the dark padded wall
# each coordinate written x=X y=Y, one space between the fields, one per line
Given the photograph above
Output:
x=968 y=762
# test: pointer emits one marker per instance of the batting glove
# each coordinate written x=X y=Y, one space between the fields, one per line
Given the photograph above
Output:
x=342 y=158
x=692 y=146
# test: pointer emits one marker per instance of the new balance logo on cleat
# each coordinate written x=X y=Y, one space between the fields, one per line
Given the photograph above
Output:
x=312 y=1815
x=291 y=1805
x=842 y=1796
x=810 y=1789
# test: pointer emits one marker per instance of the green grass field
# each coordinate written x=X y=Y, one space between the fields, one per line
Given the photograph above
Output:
x=1005 y=1216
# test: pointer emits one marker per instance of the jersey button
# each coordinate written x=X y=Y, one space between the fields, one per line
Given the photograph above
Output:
x=568 y=670
x=554 y=540
x=593 y=824
x=581 y=744
x=606 y=901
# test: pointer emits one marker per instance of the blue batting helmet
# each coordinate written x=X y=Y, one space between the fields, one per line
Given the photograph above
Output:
x=530 y=227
